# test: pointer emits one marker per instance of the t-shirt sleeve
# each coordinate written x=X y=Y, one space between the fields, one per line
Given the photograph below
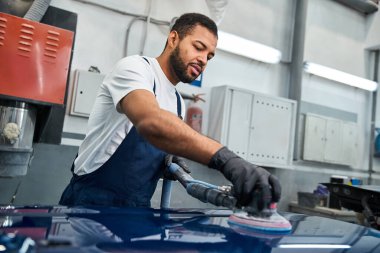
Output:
x=130 y=73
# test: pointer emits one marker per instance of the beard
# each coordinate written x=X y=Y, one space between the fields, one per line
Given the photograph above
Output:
x=179 y=67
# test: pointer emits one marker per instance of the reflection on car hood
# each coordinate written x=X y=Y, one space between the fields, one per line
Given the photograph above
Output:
x=61 y=229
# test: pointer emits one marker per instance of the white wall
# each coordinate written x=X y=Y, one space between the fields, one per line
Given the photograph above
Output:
x=372 y=31
x=336 y=36
x=100 y=41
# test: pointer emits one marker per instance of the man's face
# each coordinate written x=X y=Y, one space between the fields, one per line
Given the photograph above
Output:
x=189 y=58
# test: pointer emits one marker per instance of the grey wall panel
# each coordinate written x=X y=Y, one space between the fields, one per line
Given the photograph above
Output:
x=46 y=178
x=8 y=187
x=328 y=111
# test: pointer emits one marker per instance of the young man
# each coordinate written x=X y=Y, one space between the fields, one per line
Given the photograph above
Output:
x=136 y=122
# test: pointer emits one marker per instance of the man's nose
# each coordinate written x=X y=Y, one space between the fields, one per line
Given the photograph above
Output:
x=202 y=59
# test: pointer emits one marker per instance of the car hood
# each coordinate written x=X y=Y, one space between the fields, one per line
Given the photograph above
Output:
x=62 y=229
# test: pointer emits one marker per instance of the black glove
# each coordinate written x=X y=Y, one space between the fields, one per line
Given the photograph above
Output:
x=253 y=185
x=169 y=159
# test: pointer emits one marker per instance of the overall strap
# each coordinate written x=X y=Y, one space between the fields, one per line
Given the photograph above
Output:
x=179 y=106
x=154 y=81
x=72 y=166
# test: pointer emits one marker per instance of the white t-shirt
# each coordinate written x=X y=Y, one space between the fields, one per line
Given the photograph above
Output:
x=107 y=126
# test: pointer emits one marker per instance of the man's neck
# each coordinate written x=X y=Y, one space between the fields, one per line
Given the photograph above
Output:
x=163 y=60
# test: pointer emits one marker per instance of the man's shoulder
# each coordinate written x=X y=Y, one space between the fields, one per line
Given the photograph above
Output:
x=134 y=60
x=132 y=65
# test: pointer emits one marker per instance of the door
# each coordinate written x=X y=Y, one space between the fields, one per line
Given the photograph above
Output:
x=238 y=128
x=314 y=143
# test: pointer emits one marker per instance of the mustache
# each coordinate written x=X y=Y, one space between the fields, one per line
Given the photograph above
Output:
x=200 y=64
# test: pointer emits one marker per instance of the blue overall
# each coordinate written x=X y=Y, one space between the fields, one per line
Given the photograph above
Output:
x=128 y=178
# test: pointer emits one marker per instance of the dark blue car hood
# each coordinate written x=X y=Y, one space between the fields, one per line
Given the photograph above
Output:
x=61 y=229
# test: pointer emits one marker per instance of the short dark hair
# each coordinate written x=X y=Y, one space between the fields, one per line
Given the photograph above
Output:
x=187 y=22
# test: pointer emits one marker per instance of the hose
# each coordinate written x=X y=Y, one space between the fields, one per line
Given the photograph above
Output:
x=211 y=195
x=37 y=10
x=203 y=191
x=370 y=218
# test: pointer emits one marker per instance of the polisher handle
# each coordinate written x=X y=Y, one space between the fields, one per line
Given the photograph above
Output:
x=203 y=191
x=211 y=195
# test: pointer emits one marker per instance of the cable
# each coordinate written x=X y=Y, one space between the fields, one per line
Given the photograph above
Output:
x=153 y=20
x=141 y=18
x=125 y=51
x=145 y=35
x=136 y=17
x=108 y=8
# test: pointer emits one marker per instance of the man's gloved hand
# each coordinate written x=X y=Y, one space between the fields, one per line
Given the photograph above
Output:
x=169 y=159
x=253 y=185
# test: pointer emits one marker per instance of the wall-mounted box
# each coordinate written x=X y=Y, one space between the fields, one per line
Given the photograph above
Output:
x=85 y=90
x=330 y=140
x=257 y=127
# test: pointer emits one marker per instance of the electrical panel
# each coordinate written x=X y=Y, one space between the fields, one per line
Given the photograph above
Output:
x=86 y=85
x=257 y=127
x=239 y=123
x=271 y=124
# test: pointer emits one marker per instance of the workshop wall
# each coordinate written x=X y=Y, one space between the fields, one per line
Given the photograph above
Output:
x=372 y=34
x=335 y=35
x=100 y=41
x=336 y=38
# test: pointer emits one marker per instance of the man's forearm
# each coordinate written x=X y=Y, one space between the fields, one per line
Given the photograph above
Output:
x=167 y=132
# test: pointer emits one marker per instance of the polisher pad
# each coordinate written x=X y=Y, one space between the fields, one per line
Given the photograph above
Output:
x=273 y=224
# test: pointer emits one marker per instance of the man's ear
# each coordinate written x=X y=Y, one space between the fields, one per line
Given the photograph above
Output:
x=173 y=39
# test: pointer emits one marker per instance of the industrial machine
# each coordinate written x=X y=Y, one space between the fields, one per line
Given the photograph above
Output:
x=364 y=199
x=36 y=43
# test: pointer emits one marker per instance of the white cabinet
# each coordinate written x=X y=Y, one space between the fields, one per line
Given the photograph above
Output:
x=257 y=127
x=350 y=143
x=271 y=130
x=333 y=151
x=238 y=125
x=330 y=140
x=314 y=142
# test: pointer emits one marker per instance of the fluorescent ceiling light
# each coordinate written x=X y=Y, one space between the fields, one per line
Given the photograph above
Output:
x=314 y=246
x=240 y=46
x=339 y=76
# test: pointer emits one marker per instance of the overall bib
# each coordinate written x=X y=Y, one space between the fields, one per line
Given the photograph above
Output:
x=128 y=178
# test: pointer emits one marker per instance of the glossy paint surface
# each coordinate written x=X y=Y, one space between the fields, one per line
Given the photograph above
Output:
x=60 y=229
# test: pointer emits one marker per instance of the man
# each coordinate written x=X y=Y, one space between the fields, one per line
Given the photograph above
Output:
x=136 y=122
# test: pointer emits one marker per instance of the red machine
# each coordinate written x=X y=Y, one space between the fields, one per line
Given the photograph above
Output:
x=34 y=59
x=34 y=66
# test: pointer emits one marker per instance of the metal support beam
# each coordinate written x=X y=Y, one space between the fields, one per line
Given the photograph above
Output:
x=373 y=118
x=296 y=65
